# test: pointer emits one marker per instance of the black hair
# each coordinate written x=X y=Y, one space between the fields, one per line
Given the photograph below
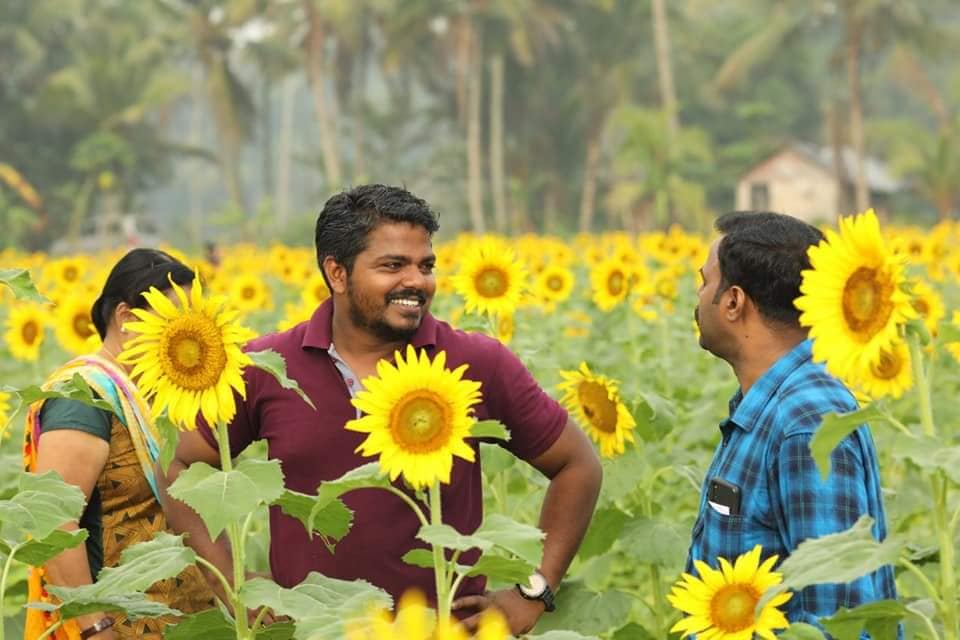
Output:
x=348 y=217
x=134 y=274
x=763 y=253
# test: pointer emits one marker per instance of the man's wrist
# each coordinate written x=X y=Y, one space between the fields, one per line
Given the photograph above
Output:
x=101 y=625
x=538 y=588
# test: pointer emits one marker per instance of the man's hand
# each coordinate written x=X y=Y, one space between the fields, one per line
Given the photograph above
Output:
x=521 y=614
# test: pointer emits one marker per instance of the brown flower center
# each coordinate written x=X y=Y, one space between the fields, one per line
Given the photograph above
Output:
x=81 y=325
x=867 y=302
x=491 y=282
x=616 y=282
x=888 y=366
x=600 y=410
x=731 y=608
x=421 y=422
x=30 y=331
x=192 y=352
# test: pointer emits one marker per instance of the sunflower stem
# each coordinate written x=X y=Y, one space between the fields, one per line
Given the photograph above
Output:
x=235 y=536
x=658 y=601
x=922 y=385
x=3 y=583
x=413 y=505
x=49 y=632
x=924 y=580
x=439 y=561
x=948 y=578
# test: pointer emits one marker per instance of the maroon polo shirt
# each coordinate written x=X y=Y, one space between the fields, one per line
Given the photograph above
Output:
x=312 y=446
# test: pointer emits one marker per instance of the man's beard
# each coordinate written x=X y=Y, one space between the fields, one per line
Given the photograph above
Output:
x=377 y=325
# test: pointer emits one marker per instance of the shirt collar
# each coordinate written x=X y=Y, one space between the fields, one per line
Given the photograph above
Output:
x=319 y=332
x=745 y=410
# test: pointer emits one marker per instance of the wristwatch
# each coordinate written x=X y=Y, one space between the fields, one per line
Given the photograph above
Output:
x=102 y=624
x=538 y=589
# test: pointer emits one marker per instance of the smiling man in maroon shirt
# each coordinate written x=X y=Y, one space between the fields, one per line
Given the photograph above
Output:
x=374 y=249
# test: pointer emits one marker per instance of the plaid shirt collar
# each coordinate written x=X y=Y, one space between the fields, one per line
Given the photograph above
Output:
x=745 y=411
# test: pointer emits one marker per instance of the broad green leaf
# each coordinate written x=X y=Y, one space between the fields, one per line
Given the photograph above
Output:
x=277 y=631
x=120 y=588
x=489 y=429
x=43 y=503
x=419 y=558
x=632 y=631
x=74 y=389
x=274 y=364
x=449 y=538
x=169 y=437
x=605 y=528
x=563 y=635
x=522 y=540
x=38 y=552
x=836 y=558
x=657 y=540
x=587 y=612
x=834 y=428
x=320 y=605
x=929 y=454
x=802 y=631
x=499 y=568
x=880 y=619
x=948 y=332
x=333 y=520
x=225 y=497
x=364 y=477
x=211 y=624
x=22 y=285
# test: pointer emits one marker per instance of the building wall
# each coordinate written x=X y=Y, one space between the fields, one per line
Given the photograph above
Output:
x=795 y=186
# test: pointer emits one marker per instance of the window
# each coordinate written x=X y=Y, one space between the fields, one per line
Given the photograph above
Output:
x=760 y=196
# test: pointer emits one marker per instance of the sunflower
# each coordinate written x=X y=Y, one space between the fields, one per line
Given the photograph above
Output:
x=891 y=375
x=4 y=414
x=418 y=416
x=852 y=299
x=491 y=278
x=315 y=291
x=294 y=314
x=928 y=304
x=505 y=327
x=416 y=621
x=188 y=357
x=25 y=329
x=611 y=283
x=249 y=293
x=595 y=400
x=74 y=326
x=554 y=283
x=721 y=603
x=954 y=347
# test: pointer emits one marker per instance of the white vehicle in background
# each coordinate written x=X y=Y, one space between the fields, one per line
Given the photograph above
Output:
x=106 y=232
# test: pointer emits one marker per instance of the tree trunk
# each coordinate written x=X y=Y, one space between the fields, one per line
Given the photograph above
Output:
x=316 y=72
x=854 y=34
x=496 y=143
x=837 y=143
x=360 y=171
x=668 y=93
x=282 y=193
x=589 y=193
x=196 y=141
x=266 y=126
x=474 y=168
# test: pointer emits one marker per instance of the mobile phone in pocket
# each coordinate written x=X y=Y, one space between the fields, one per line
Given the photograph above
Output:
x=724 y=497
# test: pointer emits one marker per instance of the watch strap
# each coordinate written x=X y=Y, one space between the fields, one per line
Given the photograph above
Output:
x=100 y=625
x=546 y=597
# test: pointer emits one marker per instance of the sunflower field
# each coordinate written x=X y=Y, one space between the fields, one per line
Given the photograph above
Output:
x=605 y=324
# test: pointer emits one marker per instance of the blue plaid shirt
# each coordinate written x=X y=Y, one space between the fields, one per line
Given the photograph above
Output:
x=765 y=452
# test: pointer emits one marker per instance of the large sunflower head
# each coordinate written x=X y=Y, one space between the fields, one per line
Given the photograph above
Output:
x=188 y=356
x=491 y=279
x=853 y=298
x=721 y=604
x=25 y=331
x=74 y=325
x=418 y=416
x=595 y=401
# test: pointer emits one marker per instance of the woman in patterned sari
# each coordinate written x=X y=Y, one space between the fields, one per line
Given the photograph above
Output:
x=110 y=456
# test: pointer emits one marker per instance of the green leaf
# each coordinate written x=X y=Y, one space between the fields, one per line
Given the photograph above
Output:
x=499 y=568
x=363 y=477
x=489 y=429
x=38 y=552
x=74 y=389
x=169 y=437
x=834 y=428
x=419 y=558
x=211 y=624
x=880 y=619
x=605 y=528
x=43 y=503
x=918 y=327
x=632 y=631
x=948 y=332
x=449 y=538
x=655 y=541
x=274 y=364
x=21 y=284
x=332 y=521
x=225 y=497
x=585 y=611
x=320 y=605
x=120 y=588
x=564 y=635
x=802 y=631
x=837 y=558
x=929 y=454
x=522 y=540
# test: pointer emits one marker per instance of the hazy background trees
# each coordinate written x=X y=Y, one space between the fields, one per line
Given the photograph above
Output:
x=235 y=119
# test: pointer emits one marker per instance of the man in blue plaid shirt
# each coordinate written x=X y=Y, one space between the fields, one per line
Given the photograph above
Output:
x=763 y=486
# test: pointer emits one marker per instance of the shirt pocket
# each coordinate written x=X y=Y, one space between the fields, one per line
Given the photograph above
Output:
x=728 y=536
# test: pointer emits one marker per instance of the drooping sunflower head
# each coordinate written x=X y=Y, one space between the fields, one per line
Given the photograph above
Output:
x=595 y=401
x=721 y=603
x=853 y=298
x=491 y=278
x=418 y=415
x=928 y=304
x=611 y=281
x=4 y=414
x=25 y=331
x=890 y=375
x=74 y=325
x=187 y=357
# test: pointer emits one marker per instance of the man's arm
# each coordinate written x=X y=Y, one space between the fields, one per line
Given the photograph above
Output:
x=575 y=477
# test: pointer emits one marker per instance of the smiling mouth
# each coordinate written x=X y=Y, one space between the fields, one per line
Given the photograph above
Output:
x=408 y=300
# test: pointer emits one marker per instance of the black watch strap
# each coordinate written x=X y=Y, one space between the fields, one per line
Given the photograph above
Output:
x=546 y=597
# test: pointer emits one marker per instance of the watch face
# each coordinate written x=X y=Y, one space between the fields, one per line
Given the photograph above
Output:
x=538 y=584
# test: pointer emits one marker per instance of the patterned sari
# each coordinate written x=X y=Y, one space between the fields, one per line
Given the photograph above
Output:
x=128 y=492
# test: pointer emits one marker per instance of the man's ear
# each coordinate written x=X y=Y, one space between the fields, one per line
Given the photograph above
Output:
x=336 y=274
x=735 y=303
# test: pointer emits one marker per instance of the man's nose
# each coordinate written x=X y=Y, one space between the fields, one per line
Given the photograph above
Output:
x=413 y=278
